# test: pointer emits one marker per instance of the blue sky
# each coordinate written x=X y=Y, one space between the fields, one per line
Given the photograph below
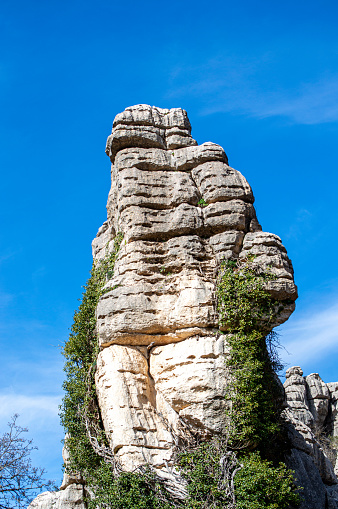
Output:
x=259 y=78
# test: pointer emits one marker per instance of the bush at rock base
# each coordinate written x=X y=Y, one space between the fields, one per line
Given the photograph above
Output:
x=260 y=485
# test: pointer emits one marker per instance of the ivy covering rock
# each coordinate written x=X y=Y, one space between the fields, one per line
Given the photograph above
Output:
x=246 y=309
x=255 y=429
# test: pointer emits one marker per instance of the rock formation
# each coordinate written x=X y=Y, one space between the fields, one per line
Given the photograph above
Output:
x=181 y=210
x=313 y=422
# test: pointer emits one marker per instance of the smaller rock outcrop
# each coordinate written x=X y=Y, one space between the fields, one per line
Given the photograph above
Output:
x=71 y=497
x=71 y=494
x=312 y=419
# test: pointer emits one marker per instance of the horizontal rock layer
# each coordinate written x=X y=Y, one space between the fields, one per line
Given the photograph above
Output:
x=181 y=211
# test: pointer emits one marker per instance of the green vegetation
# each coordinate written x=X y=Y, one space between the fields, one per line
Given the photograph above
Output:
x=243 y=303
x=127 y=491
x=202 y=202
x=201 y=467
x=247 y=311
x=260 y=485
x=80 y=409
x=212 y=469
x=164 y=271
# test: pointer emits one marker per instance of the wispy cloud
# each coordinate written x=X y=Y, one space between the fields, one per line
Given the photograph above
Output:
x=30 y=406
x=223 y=85
x=7 y=256
x=5 y=298
x=311 y=337
x=21 y=325
x=37 y=413
x=311 y=103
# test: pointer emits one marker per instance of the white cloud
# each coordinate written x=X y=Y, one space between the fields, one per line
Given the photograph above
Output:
x=223 y=85
x=302 y=224
x=311 y=103
x=33 y=410
x=39 y=414
x=311 y=337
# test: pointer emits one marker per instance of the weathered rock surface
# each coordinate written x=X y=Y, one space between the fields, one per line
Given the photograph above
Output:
x=182 y=210
x=71 y=494
x=333 y=415
x=143 y=396
x=68 y=479
x=312 y=423
x=295 y=390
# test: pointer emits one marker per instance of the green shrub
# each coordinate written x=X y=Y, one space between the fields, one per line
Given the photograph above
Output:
x=260 y=485
x=128 y=491
x=202 y=202
x=244 y=304
x=201 y=468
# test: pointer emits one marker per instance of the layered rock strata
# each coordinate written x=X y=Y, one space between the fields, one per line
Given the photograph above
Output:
x=182 y=210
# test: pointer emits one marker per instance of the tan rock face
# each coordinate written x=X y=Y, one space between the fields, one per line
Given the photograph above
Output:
x=182 y=210
x=143 y=395
x=191 y=376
